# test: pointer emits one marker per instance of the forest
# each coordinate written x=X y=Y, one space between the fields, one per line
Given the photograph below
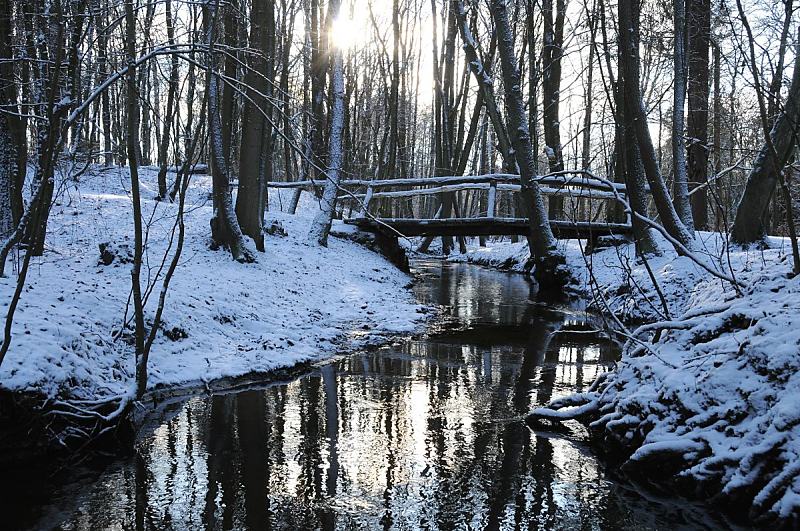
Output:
x=562 y=233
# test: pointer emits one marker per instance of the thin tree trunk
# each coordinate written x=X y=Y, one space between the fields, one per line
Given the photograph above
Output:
x=680 y=190
x=321 y=225
x=13 y=147
x=172 y=92
x=49 y=131
x=132 y=132
x=552 y=52
x=722 y=205
x=319 y=62
x=586 y=153
x=231 y=62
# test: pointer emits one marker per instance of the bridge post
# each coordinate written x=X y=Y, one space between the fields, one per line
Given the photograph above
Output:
x=492 y=199
x=367 y=198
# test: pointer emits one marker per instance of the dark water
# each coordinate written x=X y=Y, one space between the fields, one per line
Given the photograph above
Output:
x=425 y=435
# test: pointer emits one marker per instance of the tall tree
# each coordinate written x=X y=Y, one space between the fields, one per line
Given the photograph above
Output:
x=698 y=25
x=319 y=68
x=628 y=167
x=52 y=107
x=632 y=95
x=231 y=66
x=547 y=259
x=779 y=144
x=225 y=230
x=13 y=146
x=680 y=190
x=132 y=141
x=321 y=225
x=773 y=95
x=172 y=94
x=250 y=199
x=552 y=53
x=102 y=74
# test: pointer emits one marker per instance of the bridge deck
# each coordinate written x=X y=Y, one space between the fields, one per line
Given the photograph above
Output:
x=487 y=227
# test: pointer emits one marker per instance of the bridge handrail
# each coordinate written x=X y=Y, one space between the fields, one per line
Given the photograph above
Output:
x=587 y=193
x=578 y=180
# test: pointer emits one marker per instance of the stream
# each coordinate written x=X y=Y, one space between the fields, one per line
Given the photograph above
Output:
x=424 y=434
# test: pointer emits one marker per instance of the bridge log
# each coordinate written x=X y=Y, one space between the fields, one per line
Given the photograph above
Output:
x=577 y=180
x=514 y=188
x=562 y=229
x=492 y=199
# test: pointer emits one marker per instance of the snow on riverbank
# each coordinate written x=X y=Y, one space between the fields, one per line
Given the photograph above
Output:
x=618 y=281
x=221 y=318
x=707 y=398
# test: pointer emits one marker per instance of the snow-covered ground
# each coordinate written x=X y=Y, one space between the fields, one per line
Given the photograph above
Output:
x=708 y=392
x=299 y=302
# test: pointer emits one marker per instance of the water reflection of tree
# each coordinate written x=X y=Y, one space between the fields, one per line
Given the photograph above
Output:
x=516 y=438
x=219 y=462
x=310 y=480
x=254 y=426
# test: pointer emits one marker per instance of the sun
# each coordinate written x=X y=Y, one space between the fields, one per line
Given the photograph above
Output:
x=346 y=33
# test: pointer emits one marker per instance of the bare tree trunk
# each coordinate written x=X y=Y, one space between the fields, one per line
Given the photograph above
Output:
x=698 y=20
x=680 y=189
x=394 y=95
x=231 y=62
x=132 y=132
x=533 y=82
x=547 y=259
x=773 y=98
x=484 y=165
x=250 y=197
x=225 y=229
x=102 y=73
x=486 y=86
x=13 y=147
x=49 y=131
x=552 y=52
x=321 y=225
x=722 y=205
x=172 y=92
x=629 y=31
x=780 y=142
x=586 y=153
x=319 y=62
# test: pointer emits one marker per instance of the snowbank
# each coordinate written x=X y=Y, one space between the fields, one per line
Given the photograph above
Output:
x=706 y=399
x=222 y=319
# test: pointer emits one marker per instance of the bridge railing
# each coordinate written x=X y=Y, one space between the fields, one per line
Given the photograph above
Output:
x=577 y=185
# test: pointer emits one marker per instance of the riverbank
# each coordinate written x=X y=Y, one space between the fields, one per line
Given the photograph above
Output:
x=425 y=432
x=299 y=302
x=704 y=402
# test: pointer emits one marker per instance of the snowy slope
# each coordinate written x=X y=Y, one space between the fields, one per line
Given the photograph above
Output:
x=221 y=318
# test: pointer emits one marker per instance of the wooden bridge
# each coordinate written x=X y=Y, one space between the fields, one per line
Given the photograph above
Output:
x=362 y=195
